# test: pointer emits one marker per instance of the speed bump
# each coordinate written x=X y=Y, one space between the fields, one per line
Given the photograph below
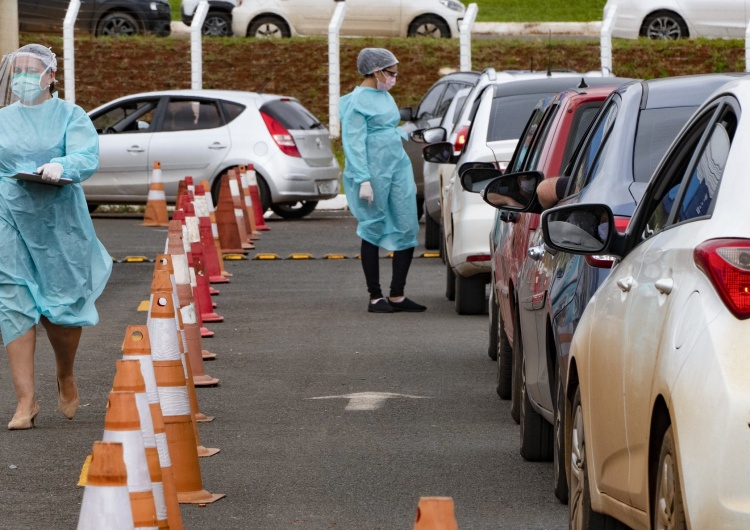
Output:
x=145 y=305
x=234 y=257
x=430 y=255
x=300 y=255
x=334 y=256
x=267 y=256
x=135 y=259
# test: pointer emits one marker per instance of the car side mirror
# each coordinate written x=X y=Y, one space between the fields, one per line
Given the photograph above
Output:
x=417 y=136
x=475 y=179
x=434 y=135
x=579 y=228
x=514 y=192
x=406 y=113
x=438 y=153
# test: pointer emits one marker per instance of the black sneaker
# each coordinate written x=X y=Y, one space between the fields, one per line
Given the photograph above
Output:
x=407 y=305
x=381 y=306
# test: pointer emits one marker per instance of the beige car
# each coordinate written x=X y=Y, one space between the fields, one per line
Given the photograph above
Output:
x=364 y=18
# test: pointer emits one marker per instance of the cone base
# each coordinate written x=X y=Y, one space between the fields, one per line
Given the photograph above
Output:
x=206 y=333
x=225 y=251
x=227 y=274
x=213 y=292
x=208 y=356
x=248 y=246
x=154 y=224
x=218 y=279
x=205 y=452
x=211 y=317
x=205 y=380
x=199 y=497
x=202 y=418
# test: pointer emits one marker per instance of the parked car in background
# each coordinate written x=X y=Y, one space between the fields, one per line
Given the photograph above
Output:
x=656 y=395
x=364 y=18
x=612 y=165
x=218 y=22
x=203 y=133
x=679 y=19
x=108 y=18
x=428 y=114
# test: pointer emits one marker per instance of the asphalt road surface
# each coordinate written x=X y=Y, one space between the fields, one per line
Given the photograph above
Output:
x=295 y=451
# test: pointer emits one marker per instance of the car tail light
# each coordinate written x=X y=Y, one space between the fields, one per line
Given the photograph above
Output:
x=606 y=262
x=461 y=136
x=281 y=136
x=726 y=262
x=472 y=259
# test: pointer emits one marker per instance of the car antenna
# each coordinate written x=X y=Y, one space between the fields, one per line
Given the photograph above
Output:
x=582 y=84
x=549 y=53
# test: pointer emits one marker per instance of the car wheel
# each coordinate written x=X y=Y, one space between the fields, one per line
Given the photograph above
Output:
x=664 y=25
x=269 y=27
x=117 y=24
x=431 y=233
x=504 y=360
x=441 y=247
x=450 y=282
x=429 y=26
x=493 y=312
x=294 y=210
x=92 y=207
x=669 y=511
x=516 y=377
x=536 y=433
x=420 y=207
x=558 y=450
x=580 y=514
x=470 y=299
x=264 y=192
x=217 y=24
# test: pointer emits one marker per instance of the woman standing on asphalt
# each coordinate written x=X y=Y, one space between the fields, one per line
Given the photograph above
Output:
x=378 y=178
x=52 y=268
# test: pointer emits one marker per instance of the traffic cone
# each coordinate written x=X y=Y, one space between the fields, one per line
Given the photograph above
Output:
x=239 y=208
x=106 y=501
x=435 y=513
x=252 y=229
x=193 y=234
x=137 y=347
x=214 y=228
x=166 y=346
x=226 y=220
x=213 y=269
x=181 y=189
x=201 y=293
x=122 y=424
x=128 y=378
x=252 y=182
x=156 y=204
x=173 y=396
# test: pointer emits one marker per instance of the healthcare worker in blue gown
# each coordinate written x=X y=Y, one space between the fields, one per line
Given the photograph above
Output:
x=378 y=178
x=52 y=266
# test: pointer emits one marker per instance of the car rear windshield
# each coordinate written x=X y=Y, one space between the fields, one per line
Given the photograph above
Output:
x=509 y=116
x=656 y=130
x=291 y=114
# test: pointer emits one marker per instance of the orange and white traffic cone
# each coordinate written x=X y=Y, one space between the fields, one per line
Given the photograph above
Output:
x=226 y=220
x=173 y=395
x=212 y=258
x=252 y=182
x=156 y=203
x=435 y=513
x=122 y=424
x=181 y=190
x=239 y=208
x=214 y=228
x=128 y=378
x=106 y=500
x=252 y=229
x=137 y=347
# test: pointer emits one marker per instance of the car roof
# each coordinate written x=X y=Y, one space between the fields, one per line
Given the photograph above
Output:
x=551 y=84
x=233 y=95
x=467 y=76
x=682 y=91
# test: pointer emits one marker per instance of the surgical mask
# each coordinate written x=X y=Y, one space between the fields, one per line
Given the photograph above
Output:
x=389 y=82
x=27 y=86
x=527 y=185
x=603 y=231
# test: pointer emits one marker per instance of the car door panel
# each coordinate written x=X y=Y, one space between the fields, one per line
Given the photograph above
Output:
x=719 y=18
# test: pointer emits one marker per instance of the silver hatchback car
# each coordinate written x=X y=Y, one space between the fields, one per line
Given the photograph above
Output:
x=203 y=133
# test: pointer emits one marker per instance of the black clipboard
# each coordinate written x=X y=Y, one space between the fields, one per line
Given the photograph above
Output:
x=36 y=177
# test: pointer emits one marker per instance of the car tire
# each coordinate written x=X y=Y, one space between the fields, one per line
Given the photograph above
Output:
x=217 y=24
x=516 y=362
x=470 y=295
x=431 y=233
x=296 y=210
x=504 y=358
x=441 y=247
x=420 y=207
x=536 y=433
x=92 y=207
x=117 y=24
x=264 y=192
x=269 y=27
x=664 y=25
x=492 y=309
x=450 y=282
x=558 y=450
x=669 y=510
x=429 y=26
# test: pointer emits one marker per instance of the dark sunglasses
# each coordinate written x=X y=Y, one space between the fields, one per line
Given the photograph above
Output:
x=390 y=73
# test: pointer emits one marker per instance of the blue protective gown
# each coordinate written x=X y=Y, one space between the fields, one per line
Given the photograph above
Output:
x=374 y=151
x=51 y=262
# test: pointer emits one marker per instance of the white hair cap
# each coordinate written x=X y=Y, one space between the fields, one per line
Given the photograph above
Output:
x=371 y=60
x=42 y=53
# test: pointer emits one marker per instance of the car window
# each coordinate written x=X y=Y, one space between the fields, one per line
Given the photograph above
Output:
x=581 y=122
x=508 y=116
x=127 y=117
x=589 y=156
x=524 y=142
x=541 y=138
x=448 y=95
x=231 y=110
x=656 y=130
x=428 y=107
x=291 y=115
x=191 y=115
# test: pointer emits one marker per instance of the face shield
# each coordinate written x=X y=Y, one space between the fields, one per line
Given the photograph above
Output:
x=24 y=74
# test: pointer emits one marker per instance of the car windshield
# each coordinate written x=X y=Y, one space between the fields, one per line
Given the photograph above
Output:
x=509 y=115
x=656 y=130
x=291 y=114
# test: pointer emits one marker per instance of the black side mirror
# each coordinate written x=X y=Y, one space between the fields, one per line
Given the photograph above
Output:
x=439 y=153
x=406 y=113
x=579 y=228
x=514 y=191
x=475 y=179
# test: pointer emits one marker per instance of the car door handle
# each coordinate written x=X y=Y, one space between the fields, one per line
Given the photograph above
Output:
x=665 y=285
x=135 y=149
x=625 y=283
x=217 y=145
x=536 y=253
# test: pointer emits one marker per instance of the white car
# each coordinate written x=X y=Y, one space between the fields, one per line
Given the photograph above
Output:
x=363 y=18
x=676 y=19
x=657 y=396
x=203 y=133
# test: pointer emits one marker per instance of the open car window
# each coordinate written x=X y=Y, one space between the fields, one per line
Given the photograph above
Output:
x=127 y=117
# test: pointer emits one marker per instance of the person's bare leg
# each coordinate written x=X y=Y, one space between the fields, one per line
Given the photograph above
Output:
x=21 y=361
x=64 y=341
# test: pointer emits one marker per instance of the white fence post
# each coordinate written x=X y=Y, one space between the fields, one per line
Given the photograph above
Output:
x=334 y=71
x=606 y=40
x=196 y=48
x=69 y=50
x=465 y=36
x=747 y=48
